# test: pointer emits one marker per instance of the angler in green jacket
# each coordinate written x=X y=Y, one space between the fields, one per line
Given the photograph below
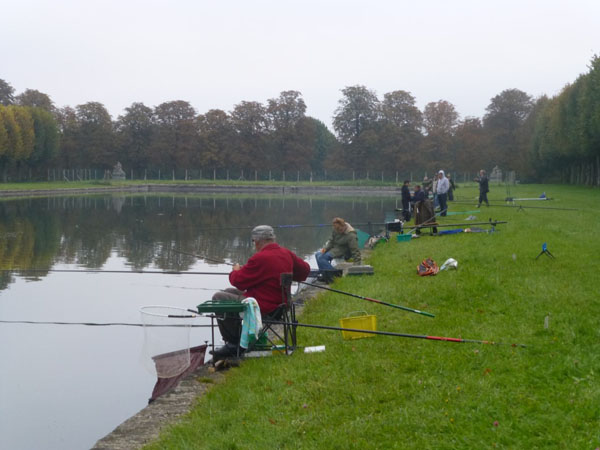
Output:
x=343 y=244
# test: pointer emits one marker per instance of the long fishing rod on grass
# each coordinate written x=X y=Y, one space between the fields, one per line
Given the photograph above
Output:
x=429 y=223
x=382 y=333
x=491 y=222
x=495 y=205
x=405 y=308
x=389 y=333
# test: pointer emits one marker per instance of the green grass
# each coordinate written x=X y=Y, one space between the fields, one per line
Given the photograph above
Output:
x=389 y=392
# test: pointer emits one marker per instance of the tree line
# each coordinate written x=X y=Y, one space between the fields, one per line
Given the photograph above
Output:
x=542 y=139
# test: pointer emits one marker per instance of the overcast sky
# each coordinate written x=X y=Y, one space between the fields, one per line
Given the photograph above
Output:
x=215 y=54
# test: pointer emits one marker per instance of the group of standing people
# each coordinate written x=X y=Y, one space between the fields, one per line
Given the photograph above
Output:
x=441 y=186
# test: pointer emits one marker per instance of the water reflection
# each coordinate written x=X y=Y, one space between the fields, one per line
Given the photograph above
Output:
x=163 y=231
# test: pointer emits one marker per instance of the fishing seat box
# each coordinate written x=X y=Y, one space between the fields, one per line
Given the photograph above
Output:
x=404 y=237
x=360 y=270
x=212 y=306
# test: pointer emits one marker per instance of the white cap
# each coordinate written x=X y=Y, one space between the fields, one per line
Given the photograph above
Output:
x=263 y=233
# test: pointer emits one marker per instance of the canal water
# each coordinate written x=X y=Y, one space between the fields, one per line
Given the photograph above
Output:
x=73 y=364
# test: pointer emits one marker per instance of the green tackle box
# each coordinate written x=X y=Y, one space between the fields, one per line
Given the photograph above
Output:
x=212 y=306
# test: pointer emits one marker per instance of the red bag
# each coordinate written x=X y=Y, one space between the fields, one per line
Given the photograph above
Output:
x=427 y=267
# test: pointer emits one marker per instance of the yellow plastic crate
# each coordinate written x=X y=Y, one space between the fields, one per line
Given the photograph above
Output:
x=362 y=322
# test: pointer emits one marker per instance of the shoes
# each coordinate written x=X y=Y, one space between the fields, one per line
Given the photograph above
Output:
x=226 y=351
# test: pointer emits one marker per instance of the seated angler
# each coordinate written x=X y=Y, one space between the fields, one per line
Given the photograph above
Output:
x=424 y=214
x=260 y=278
x=342 y=244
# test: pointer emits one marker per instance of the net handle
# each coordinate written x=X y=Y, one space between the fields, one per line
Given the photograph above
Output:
x=144 y=309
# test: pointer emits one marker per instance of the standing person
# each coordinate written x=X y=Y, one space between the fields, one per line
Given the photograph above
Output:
x=342 y=244
x=442 y=192
x=484 y=188
x=424 y=214
x=452 y=188
x=406 y=200
x=436 y=203
x=260 y=278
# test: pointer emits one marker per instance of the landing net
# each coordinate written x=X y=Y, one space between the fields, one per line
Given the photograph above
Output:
x=166 y=349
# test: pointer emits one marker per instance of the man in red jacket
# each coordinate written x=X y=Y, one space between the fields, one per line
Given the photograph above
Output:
x=260 y=278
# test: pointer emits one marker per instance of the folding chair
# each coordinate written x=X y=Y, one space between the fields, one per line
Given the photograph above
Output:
x=286 y=314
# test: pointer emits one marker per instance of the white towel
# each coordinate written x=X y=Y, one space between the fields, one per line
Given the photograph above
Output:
x=251 y=322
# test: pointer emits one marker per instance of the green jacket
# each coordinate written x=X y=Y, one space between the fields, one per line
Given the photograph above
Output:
x=344 y=245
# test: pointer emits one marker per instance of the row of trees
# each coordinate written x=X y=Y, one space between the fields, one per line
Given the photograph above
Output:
x=535 y=137
x=393 y=132
x=566 y=134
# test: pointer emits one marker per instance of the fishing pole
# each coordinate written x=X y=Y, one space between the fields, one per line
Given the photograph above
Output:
x=206 y=258
x=493 y=223
x=384 y=333
x=106 y=324
x=360 y=330
x=511 y=199
x=424 y=313
x=495 y=205
x=389 y=333
x=317 y=225
x=162 y=272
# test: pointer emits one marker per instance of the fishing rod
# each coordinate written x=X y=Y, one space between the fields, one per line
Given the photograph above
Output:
x=493 y=223
x=249 y=227
x=511 y=199
x=206 y=258
x=429 y=223
x=382 y=333
x=424 y=313
x=106 y=324
x=389 y=333
x=181 y=252
x=162 y=272
x=495 y=205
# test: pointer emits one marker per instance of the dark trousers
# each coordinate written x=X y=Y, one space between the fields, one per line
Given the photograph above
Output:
x=483 y=198
x=450 y=195
x=443 y=199
x=406 y=210
x=229 y=323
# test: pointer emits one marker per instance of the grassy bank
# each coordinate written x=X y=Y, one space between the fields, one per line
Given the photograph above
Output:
x=387 y=392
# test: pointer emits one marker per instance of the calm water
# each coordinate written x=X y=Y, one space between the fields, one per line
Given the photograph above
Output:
x=66 y=386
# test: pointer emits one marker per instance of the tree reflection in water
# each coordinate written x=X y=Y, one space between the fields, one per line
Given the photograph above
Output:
x=161 y=231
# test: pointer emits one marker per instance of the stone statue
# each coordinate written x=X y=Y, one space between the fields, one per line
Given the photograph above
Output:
x=496 y=175
x=118 y=173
